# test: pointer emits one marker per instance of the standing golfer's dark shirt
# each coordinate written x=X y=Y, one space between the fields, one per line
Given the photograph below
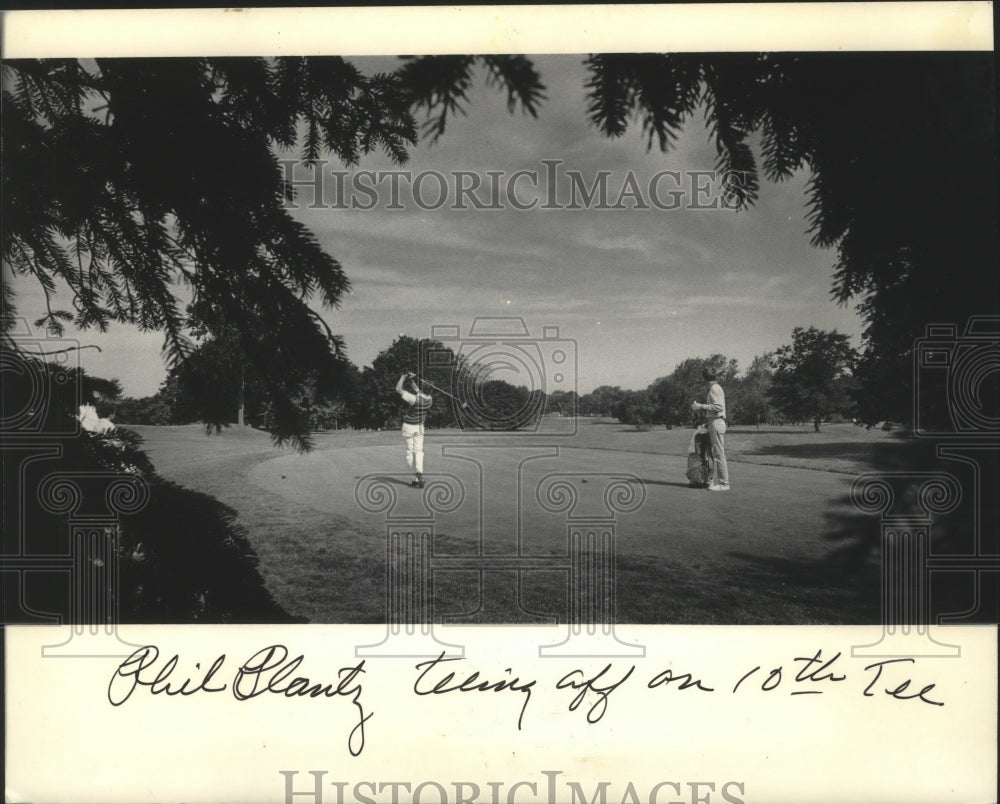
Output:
x=417 y=409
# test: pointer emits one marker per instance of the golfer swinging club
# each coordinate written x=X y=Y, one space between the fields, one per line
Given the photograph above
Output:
x=715 y=412
x=418 y=404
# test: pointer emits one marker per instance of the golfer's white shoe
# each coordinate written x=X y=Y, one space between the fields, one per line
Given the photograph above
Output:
x=719 y=487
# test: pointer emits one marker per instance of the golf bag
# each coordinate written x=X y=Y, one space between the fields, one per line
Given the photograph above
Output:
x=699 y=464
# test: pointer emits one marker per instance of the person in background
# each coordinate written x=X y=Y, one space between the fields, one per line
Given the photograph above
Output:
x=715 y=413
x=417 y=406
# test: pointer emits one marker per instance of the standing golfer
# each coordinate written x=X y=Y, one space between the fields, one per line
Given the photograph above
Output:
x=715 y=412
x=417 y=406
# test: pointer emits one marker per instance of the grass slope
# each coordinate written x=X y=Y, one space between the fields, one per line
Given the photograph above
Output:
x=330 y=567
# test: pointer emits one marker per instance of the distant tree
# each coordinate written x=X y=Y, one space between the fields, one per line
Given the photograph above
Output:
x=566 y=403
x=672 y=395
x=812 y=377
x=376 y=404
x=367 y=411
x=333 y=415
x=670 y=399
x=209 y=385
x=104 y=394
x=636 y=407
x=601 y=401
x=323 y=404
x=144 y=410
x=534 y=408
x=500 y=405
x=216 y=384
x=750 y=403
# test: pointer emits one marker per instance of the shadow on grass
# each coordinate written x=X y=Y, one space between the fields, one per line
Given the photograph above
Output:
x=754 y=431
x=858 y=451
x=677 y=484
x=844 y=586
x=751 y=590
x=905 y=464
x=184 y=559
x=394 y=480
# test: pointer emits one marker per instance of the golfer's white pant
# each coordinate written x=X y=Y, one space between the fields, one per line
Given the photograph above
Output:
x=716 y=433
x=413 y=435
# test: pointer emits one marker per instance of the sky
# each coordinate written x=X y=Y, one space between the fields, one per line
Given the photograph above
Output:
x=632 y=291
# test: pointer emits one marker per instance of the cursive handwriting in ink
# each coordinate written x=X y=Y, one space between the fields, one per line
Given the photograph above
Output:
x=268 y=671
x=130 y=674
x=899 y=691
x=585 y=685
x=815 y=670
x=686 y=681
x=472 y=683
x=809 y=672
x=773 y=679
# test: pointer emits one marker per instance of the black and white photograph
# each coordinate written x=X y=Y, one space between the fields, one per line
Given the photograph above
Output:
x=590 y=354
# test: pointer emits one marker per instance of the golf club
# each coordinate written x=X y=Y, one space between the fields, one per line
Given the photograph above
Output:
x=441 y=390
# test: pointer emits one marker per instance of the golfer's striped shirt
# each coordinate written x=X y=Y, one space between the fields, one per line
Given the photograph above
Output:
x=418 y=408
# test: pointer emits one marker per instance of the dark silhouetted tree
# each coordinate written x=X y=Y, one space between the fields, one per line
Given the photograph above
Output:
x=900 y=150
x=124 y=178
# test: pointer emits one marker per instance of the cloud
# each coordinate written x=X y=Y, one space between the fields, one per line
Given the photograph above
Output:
x=748 y=302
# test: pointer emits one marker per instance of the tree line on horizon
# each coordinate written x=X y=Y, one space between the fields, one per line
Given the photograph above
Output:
x=214 y=384
x=808 y=380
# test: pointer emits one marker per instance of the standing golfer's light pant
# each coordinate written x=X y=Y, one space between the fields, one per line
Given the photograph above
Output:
x=716 y=437
x=413 y=435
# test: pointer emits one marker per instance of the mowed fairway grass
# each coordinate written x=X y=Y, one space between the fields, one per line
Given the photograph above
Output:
x=783 y=546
